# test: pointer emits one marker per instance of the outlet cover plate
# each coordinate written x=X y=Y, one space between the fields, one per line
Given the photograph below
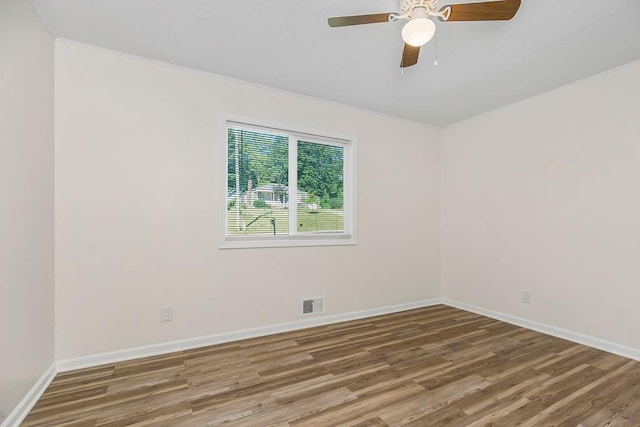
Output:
x=166 y=313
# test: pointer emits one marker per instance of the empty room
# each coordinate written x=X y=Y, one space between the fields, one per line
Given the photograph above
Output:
x=319 y=213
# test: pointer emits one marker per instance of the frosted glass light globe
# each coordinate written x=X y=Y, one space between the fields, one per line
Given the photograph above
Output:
x=418 y=31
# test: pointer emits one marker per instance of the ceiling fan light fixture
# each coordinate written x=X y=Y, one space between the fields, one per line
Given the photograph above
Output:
x=418 y=31
x=421 y=15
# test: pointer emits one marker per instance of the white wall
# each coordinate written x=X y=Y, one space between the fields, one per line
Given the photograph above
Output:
x=544 y=195
x=137 y=174
x=26 y=201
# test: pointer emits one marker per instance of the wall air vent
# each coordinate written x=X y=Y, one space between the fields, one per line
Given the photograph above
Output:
x=312 y=306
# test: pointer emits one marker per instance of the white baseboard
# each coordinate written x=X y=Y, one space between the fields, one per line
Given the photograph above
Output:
x=576 y=337
x=30 y=399
x=170 y=347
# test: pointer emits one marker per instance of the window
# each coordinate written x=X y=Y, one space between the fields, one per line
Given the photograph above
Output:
x=286 y=188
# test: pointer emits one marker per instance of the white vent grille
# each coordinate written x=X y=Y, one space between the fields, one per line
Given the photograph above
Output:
x=312 y=306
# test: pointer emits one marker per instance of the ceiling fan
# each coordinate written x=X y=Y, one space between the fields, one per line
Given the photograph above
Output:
x=420 y=28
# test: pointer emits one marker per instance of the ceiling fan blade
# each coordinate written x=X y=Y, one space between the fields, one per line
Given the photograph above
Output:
x=485 y=11
x=409 y=56
x=343 y=21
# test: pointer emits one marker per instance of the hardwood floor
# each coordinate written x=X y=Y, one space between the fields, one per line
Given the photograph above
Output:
x=426 y=367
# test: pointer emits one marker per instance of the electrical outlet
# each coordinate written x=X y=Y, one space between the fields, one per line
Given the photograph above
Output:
x=166 y=313
x=526 y=297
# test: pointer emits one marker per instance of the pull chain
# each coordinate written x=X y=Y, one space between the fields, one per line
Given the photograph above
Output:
x=435 y=62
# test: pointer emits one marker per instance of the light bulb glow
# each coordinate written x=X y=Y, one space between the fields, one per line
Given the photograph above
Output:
x=418 y=31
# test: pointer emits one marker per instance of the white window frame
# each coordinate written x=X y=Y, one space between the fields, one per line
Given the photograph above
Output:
x=295 y=134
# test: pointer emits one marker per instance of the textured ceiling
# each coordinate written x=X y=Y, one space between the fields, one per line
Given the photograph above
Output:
x=287 y=44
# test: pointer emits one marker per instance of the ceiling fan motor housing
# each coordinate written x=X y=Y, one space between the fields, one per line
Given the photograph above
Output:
x=407 y=7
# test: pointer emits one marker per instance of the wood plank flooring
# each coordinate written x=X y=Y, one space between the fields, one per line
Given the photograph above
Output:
x=426 y=367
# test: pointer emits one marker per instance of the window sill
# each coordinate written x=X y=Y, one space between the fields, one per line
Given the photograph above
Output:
x=242 y=242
